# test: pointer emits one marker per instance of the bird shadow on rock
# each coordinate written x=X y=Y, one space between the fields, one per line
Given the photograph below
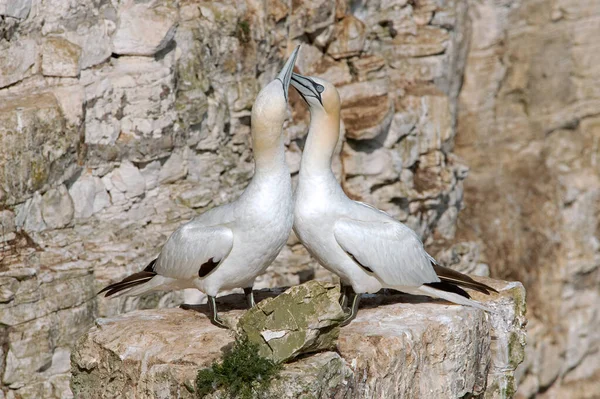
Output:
x=389 y=296
x=233 y=302
x=230 y=302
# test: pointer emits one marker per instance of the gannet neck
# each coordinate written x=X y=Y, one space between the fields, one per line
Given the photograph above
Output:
x=269 y=155
x=323 y=135
x=268 y=114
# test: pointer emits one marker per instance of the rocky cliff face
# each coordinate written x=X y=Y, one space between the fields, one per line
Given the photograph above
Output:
x=122 y=119
x=119 y=120
x=529 y=128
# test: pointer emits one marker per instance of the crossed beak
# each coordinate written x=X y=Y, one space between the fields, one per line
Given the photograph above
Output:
x=307 y=87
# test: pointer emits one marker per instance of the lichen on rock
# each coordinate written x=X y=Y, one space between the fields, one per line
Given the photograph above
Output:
x=303 y=319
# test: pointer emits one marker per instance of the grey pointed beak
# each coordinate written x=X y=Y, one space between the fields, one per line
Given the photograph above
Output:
x=307 y=87
x=286 y=73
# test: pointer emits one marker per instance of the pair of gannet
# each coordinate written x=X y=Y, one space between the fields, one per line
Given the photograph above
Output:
x=229 y=246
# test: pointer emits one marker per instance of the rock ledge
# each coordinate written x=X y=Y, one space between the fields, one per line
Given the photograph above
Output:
x=398 y=346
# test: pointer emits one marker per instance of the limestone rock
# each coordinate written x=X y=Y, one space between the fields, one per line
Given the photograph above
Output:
x=527 y=134
x=29 y=215
x=15 y=8
x=350 y=35
x=17 y=61
x=60 y=57
x=144 y=28
x=193 y=98
x=303 y=319
x=37 y=147
x=174 y=169
x=57 y=207
x=398 y=346
x=367 y=110
x=464 y=257
x=7 y=221
x=125 y=182
x=89 y=196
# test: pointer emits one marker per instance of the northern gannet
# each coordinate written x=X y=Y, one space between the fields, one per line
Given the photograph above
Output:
x=365 y=247
x=230 y=245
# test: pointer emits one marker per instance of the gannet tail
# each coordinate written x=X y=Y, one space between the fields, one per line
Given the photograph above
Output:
x=451 y=296
x=453 y=277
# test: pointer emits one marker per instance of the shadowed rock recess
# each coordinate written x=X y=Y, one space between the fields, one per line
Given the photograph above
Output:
x=398 y=347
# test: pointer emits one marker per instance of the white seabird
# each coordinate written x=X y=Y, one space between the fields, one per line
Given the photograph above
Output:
x=230 y=245
x=365 y=247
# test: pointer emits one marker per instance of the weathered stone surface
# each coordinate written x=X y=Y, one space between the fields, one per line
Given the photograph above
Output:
x=367 y=110
x=350 y=34
x=89 y=196
x=144 y=28
x=57 y=207
x=527 y=128
x=60 y=57
x=17 y=61
x=303 y=319
x=399 y=346
x=36 y=146
x=15 y=8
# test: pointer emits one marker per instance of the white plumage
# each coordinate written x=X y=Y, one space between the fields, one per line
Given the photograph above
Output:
x=229 y=246
x=365 y=247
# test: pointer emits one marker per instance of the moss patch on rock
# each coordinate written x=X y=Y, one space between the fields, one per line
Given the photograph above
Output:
x=243 y=373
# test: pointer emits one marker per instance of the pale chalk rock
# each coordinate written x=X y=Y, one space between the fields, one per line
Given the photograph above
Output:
x=60 y=57
x=464 y=257
x=7 y=222
x=398 y=346
x=367 y=109
x=198 y=197
x=150 y=173
x=18 y=59
x=350 y=36
x=144 y=28
x=174 y=169
x=29 y=215
x=57 y=207
x=15 y=8
x=94 y=41
x=89 y=196
x=126 y=180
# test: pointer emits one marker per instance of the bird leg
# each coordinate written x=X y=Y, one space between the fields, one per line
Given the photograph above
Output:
x=344 y=290
x=249 y=297
x=214 y=317
x=354 y=299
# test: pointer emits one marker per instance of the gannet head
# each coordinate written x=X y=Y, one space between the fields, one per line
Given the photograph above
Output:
x=270 y=106
x=319 y=94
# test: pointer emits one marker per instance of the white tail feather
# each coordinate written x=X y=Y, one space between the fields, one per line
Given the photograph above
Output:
x=451 y=297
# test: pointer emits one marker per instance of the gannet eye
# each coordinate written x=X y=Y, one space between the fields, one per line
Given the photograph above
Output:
x=320 y=88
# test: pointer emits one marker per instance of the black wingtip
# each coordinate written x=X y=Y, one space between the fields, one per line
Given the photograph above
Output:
x=130 y=281
x=449 y=287
x=452 y=276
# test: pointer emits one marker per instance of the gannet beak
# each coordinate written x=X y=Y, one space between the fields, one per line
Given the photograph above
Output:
x=286 y=73
x=307 y=87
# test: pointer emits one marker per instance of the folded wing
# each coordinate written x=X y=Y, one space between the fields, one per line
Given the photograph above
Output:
x=391 y=251
x=194 y=251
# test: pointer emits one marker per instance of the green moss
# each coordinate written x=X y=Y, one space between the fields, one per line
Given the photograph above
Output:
x=241 y=373
x=516 y=350
x=243 y=31
x=508 y=391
